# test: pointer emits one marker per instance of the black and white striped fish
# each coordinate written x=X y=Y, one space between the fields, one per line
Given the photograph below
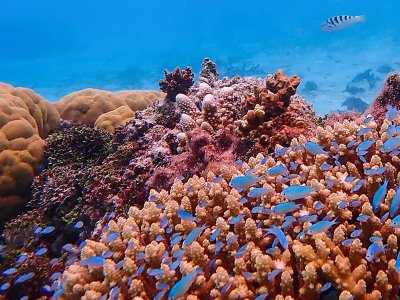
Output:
x=340 y=22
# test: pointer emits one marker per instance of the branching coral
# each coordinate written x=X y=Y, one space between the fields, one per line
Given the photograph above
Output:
x=227 y=231
x=176 y=82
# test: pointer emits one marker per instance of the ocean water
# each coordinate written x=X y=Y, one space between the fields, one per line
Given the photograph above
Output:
x=56 y=47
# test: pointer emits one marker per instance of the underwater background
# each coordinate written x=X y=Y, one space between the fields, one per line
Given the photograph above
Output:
x=59 y=47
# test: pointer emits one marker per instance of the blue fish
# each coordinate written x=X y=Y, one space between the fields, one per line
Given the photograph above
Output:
x=364 y=146
x=203 y=203
x=395 y=204
x=312 y=218
x=21 y=258
x=356 y=233
x=218 y=246
x=375 y=239
x=182 y=286
x=335 y=144
x=37 y=230
x=241 y=251
x=397 y=265
x=193 y=235
x=288 y=223
x=263 y=160
x=176 y=240
x=217 y=179
x=391 y=129
x=395 y=223
x=184 y=215
x=296 y=192
x=286 y=207
x=347 y=242
x=391 y=144
x=329 y=183
x=55 y=276
x=152 y=198
x=211 y=264
x=111 y=237
x=321 y=226
x=379 y=196
x=248 y=172
x=215 y=235
x=349 y=179
x=231 y=240
x=259 y=192
x=325 y=167
x=41 y=251
x=326 y=287
x=273 y=274
x=351 y=143
x=47 y=230
x=293 y=165
x=343 y=204
x=164 y=221
x=140 y=270
x=272 y=251
x=260 y=209
x=78 y=225
x=281 y=151
x=236 y=219
x=243 y=182
x=248 y=275
x=226 y=287
x=278 y=170
x=9 y=271
x=368 y=119
x=238 y=162
x=391 y=113
x=385 y=217
x=318 y=205
x=374 y=250
x=262 y=297
x=243 y=200
x=364 y=131
x=107 y=254
x=179 y=253
x=4 y=287
x=140 y=256
x=24 y=278
x=93 y=262
x=362 y=218
x=279 y=235
x=314 y=148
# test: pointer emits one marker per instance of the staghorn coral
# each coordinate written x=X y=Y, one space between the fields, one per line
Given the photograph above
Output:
x=87 y=106
x=176 y=82
x=25 y=120
x=389 y=95
x=227 y=231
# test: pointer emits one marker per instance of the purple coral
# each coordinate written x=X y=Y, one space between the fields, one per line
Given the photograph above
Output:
x=177 y=82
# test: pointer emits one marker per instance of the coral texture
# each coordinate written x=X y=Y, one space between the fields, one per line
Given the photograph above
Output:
x=25 y=120
x=88 y=105
x=389 y=95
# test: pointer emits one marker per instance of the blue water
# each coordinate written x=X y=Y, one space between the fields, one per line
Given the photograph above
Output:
x=56 y=47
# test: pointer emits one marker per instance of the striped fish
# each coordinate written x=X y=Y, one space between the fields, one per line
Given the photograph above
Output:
x=341 y=22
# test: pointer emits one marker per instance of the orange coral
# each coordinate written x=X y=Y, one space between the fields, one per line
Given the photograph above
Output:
x=275 y=114
x=25 y=119
x=86 y=106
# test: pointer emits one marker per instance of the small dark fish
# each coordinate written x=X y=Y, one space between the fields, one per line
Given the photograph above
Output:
x=41 y=251
x=78 y=225
x=47 y=230
x=24 y=278
x=326 y=287
x=9 y=271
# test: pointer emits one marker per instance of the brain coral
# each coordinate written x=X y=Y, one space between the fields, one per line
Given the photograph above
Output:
x=25 y=119
x=86 y=106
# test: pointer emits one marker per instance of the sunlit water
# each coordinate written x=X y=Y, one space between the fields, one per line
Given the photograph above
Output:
x=56 y=47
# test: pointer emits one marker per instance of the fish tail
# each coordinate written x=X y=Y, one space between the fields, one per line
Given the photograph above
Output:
x=361 y=18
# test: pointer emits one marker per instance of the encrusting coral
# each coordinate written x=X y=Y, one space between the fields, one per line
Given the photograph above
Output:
x=25 y=120
x=245 y=242
x=89 y=105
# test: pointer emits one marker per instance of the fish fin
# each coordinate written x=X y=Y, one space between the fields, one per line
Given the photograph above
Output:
x=361 y=18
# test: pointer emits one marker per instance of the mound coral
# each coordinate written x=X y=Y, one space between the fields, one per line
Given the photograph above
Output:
x=88 y=106
x=25 y=120
x=240 y=233
x=389 y=95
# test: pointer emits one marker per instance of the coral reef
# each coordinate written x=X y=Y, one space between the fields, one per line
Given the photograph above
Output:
x=25 y=120
x=88 y=106
x=389 y=95
x=245 y=243
x=203 y=189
